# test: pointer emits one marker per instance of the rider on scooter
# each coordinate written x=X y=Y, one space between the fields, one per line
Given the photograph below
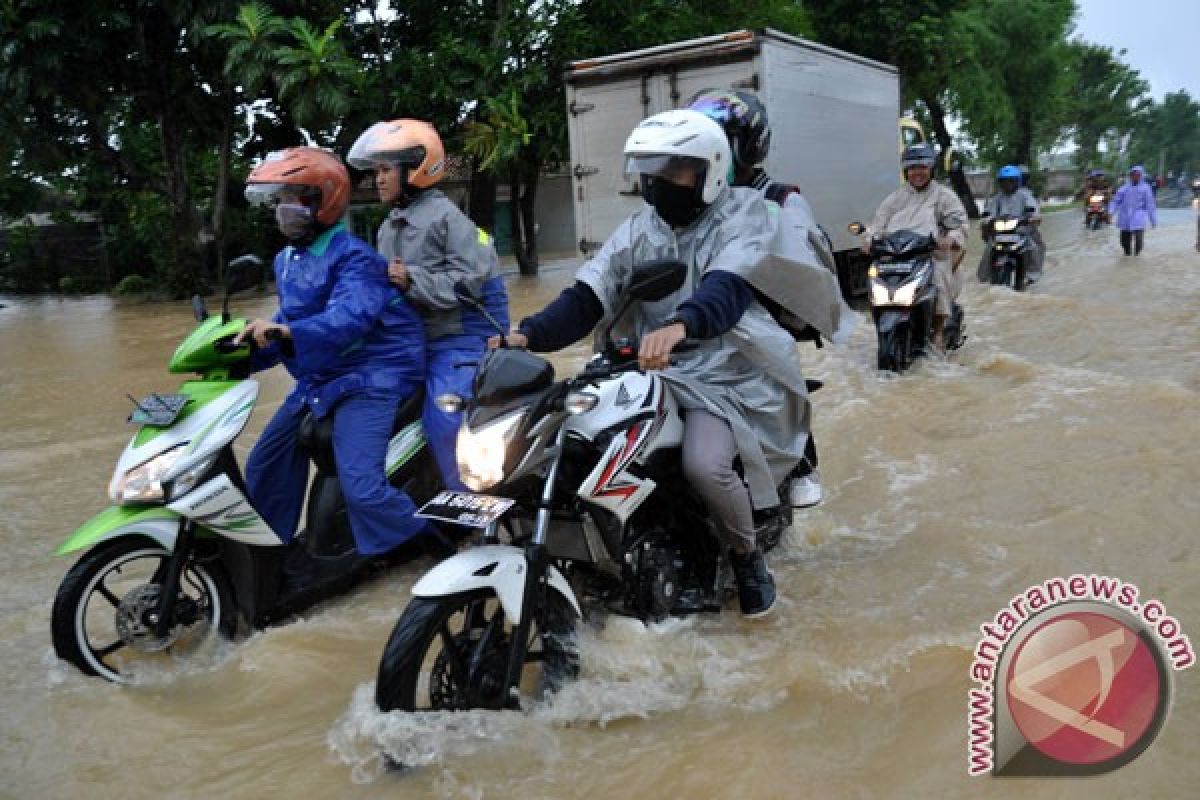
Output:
x=743 y=117
x=742 y=389
x=1013 y=200
x=431 y=246
x=927 y=207
x=353 y=344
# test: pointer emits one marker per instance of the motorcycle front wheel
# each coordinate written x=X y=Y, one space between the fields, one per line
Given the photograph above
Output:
x=895 y=349
x=104 y=611
x=451 y=654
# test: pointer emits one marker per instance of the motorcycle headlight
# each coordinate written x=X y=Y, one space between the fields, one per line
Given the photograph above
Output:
x=1097 y=198
x=879 y=294
x=906 y=295
x=1006 y=225
x=143 y=483
x=481 y=452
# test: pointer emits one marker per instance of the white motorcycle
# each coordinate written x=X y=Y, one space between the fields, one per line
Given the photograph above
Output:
x=589 y=490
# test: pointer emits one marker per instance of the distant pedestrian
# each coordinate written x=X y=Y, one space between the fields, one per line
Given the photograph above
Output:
x=1133 y=206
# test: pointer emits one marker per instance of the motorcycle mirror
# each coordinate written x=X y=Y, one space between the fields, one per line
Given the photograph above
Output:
x=856 y=228
x=242 y=273
x=464 y=295
x=199 y=311
x=654 y=280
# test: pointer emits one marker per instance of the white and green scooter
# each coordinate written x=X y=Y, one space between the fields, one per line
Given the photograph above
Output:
x=182 y=555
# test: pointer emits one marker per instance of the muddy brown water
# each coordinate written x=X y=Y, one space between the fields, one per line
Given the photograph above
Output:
x=1063 y=438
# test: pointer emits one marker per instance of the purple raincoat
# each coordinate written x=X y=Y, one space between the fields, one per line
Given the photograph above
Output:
x=1133 y=205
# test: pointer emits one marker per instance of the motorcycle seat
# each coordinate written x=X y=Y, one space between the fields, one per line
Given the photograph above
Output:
x=315 y=436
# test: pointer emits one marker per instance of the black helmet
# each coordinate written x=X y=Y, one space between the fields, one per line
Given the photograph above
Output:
x=918 y=155
x=743 y=117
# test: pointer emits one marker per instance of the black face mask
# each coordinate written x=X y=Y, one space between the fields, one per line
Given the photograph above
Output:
x=679 y=206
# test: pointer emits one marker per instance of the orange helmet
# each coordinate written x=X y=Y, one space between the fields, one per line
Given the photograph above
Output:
x=319 y=175
x=410 y=143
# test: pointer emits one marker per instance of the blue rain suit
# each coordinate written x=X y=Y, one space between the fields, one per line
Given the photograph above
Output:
x=440 y=246
x=359 y=353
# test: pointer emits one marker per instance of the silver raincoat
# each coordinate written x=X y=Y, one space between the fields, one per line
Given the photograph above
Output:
x=749 y=376
x=801 y=275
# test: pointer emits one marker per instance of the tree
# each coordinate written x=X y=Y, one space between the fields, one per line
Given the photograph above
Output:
x=1023 y=44
x=1167 y=135
x=1105 y=98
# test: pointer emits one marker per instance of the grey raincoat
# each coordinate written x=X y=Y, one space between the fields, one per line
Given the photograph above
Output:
x=441 y=246
x=749 y=376
x=801 y=275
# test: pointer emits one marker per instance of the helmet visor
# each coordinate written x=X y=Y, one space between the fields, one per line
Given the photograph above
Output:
x=681 y=170
x=271 y=195
x=373 y=148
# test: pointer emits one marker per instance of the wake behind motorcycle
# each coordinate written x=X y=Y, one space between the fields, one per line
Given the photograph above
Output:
x=181 y=555
x=588 y=487
x=1011 y=248
x=903 y=298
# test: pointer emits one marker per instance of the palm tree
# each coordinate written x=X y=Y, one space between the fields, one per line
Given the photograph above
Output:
x=315 y=76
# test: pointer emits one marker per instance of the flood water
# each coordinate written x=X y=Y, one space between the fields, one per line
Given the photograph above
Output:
x=1064 y=437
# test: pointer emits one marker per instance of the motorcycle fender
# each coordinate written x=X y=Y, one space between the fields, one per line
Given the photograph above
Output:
x=500 y=568
x=159 y=523
x=889 y=320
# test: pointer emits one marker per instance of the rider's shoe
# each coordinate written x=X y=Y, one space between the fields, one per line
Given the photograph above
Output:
x=805 y=491
x=755 y=584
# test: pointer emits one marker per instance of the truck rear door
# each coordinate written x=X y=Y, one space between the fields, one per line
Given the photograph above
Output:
x=600 y=117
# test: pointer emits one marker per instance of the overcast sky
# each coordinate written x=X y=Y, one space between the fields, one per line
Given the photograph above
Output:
x=1160 y=36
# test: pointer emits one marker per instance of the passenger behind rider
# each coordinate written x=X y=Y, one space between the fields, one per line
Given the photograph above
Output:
x=741 y=399
x=353 y=345
x=743 y=117
x=431 y=247
x=925 y=206
x=1013 y=200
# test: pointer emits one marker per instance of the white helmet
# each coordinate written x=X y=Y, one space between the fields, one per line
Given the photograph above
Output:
x=663 y=143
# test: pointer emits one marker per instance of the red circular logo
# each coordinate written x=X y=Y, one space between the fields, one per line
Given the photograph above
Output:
x=1084 y=688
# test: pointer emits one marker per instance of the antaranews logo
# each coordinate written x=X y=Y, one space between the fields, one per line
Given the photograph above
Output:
x=1073 y=678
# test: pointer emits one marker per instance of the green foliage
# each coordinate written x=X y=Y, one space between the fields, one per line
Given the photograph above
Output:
x=1168 y=132
x=1105 y=98
x=132 y=284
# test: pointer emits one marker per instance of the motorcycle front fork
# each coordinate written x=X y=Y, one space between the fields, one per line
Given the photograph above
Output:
x=537 y=563
x=185 y=540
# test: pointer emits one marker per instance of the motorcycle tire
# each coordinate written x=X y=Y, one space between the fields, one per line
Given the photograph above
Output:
x=408 y=656
x=127 y=602
x=895 y=350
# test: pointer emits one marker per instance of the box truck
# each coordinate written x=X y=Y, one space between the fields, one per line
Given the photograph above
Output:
x=834 y=118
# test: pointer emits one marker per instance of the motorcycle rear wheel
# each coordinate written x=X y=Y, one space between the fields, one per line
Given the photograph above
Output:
x=451 y=653
x=101 y=616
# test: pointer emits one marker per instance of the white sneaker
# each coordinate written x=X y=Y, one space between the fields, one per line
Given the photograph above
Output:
x=805 y=492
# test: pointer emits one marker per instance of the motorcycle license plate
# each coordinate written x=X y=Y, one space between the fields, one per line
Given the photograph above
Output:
x=462 y=508
x=1007 y=238
x=159 y=410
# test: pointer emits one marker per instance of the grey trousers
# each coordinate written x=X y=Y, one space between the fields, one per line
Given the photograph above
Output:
x=709 y=450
